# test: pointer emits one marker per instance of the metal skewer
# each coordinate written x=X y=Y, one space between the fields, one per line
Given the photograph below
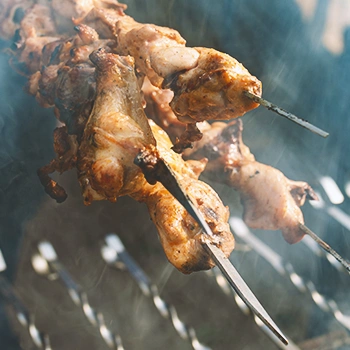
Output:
x=114 y=253
x=46 y=263
x=304 y=123
x=325 y=246
x=26 y=319
x=228 y=290
x=286 y=269
x=170 y=182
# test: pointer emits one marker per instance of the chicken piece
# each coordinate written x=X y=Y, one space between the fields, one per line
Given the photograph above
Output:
x=270 y=200
x=180 y=235
x=116 y=131
x=207 y=84
x=159 y=51
x=213 y=90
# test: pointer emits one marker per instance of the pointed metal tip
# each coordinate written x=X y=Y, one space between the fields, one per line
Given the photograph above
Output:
x=280 y=111
x=242 y=289
x=325 y=246
x=169 y=180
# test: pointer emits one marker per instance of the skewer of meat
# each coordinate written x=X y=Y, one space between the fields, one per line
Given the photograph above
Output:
x=270 y=200
x=205 y=82
x=103 y=144
x=116 y=129
x=115 y=133
x=104 y=118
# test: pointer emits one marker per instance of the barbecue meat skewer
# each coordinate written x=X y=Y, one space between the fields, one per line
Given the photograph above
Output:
x=270 y=200
x=116 y=131
x=207 y=84
x=66 y=78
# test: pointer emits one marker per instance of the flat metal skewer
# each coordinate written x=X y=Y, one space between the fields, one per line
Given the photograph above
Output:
x=170 y=182
x=325 y=246
x=270 y=106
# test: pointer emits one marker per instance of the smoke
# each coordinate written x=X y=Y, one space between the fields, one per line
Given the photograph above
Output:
x=274 y=41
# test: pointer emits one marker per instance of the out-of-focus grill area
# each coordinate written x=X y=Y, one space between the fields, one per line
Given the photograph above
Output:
x=300 y=50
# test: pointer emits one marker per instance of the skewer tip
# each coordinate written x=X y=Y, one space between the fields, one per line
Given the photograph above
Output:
x=280 y=111
x=325 y=246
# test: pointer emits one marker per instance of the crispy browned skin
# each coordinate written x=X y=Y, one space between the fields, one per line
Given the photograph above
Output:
x=116 y=131
x=66 y=148
x=179 y=233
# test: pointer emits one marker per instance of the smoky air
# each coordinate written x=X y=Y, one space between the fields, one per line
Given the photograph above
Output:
x=301 y=53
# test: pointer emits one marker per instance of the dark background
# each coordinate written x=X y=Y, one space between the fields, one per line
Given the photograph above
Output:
x=284 y=49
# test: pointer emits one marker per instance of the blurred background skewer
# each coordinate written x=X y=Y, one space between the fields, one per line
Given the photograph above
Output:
x=286 y=269
x=39 y=339
x=46 y=263
x=114 y=253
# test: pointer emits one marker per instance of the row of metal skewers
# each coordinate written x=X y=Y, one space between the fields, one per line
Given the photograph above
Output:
x=47 y=263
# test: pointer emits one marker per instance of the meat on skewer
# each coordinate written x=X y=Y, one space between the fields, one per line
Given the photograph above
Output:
x=270 y=200
x=116 y=131
x=207 y=84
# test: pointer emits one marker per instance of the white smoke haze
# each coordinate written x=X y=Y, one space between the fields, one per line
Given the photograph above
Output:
x=282 y=43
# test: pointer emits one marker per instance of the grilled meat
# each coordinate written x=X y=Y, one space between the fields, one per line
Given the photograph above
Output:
x=105 y=128
x=207 y=84
x=116 y=131
x=270 y=200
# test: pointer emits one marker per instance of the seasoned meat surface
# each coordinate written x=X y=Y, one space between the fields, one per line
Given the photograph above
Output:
x=116 y=131
x=179 y=233
x=270 y=200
